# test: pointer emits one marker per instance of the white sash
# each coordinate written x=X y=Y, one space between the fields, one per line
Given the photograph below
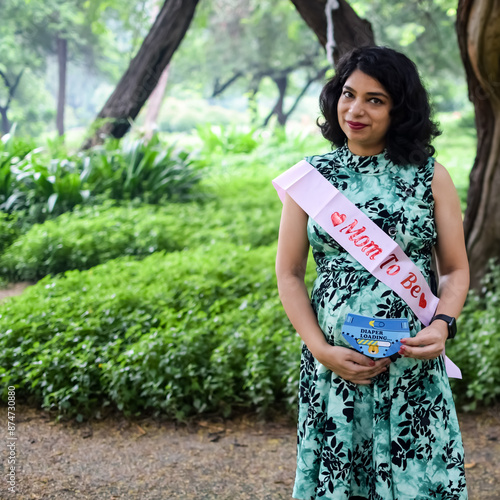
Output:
x=362 y=238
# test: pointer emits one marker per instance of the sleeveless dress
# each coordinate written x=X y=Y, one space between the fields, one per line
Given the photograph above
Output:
x=398 y=438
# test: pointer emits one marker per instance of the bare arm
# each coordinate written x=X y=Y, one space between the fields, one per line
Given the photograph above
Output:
x=291 y=261
x=453 y=267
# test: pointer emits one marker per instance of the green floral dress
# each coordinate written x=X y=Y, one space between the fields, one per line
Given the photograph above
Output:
x=398 y=438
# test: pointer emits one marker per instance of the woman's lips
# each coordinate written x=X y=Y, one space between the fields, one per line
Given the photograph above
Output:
x=356 y=125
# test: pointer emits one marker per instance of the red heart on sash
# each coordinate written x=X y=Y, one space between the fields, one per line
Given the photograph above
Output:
x=423 y=302
x=337 y=218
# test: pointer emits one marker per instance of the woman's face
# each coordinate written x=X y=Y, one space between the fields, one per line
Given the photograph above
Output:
x=363 y=111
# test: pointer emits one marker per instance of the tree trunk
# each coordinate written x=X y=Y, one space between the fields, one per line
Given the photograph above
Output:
x=278 y=108
x=62 y=58
x=144 y=70
x=5 y=120
x=478 y=30
x=349 y=30
x=12 y=90
x=282 y=83
x=154 y=105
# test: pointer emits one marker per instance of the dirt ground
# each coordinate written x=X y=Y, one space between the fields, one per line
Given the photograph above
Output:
x=13 y=289
x=147 y=459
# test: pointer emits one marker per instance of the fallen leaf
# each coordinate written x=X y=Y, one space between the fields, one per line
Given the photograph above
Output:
x=140 y=429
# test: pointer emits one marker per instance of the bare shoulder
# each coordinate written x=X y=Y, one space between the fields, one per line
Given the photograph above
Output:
x=442 y=184
x=441 y=173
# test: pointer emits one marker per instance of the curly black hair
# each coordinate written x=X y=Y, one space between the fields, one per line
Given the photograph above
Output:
x=411 y=129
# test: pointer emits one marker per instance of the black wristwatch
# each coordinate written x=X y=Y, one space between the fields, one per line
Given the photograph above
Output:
x=452 y=324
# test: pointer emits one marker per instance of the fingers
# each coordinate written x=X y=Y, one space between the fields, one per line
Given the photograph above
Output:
x=353 y=366
x=357 y=372
x=363 y=378
x=365 y=361
x=427 y=344
x=421 y=338
x=423 y=352
x=360 y=359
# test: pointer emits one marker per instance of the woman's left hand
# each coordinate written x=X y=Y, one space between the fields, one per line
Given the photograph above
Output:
x=427 y=343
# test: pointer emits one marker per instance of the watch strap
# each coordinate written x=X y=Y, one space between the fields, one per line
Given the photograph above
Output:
x=450 y=321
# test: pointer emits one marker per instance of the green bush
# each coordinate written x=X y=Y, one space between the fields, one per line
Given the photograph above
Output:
x=38 y=182
x=181 y=333
x=91 y=236
x=231 y=139
x=45 y=182
x=9 y=230
x=150 y=171
x=246 y=212
x=476 y=348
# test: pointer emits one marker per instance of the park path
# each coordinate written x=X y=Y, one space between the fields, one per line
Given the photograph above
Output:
x=206 y=459
x=13 y=289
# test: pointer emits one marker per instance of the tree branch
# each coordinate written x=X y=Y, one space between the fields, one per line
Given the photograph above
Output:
x=12 y=90
x=5 y=79
x=320 y=74
x=218 y=89
x=281 y=97
x=273 y=74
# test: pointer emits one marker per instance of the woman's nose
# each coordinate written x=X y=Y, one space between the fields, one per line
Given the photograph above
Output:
x=356 y=107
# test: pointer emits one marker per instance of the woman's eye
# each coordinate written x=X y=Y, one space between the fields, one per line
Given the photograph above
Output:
x=347 y=93
x=375 y=100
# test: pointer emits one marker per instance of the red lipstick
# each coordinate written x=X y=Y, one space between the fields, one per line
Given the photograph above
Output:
x=356 y=125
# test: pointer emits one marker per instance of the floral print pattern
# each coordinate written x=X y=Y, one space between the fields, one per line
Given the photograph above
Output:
x=397 y=439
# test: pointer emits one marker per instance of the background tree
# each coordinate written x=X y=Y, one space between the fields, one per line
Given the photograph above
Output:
x=57 y=44
x=348 y=29
x=144 y=71
x=422 y=29
x=75 y=30
x=254 y=46
x=478 y=29
x=22 y=58
x=238 y=48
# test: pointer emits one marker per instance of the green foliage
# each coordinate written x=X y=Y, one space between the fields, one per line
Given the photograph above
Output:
x=45 y=186
x=45 y=182
x=89 y=236
x=181 y=333
x=456 y=149
x=12 y=150
x=37 y=183
x=9 y=230
x=476 y=348
x=150 y=171
x=220 y=139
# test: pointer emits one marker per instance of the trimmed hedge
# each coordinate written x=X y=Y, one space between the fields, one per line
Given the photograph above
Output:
x=188 y=332
x=246 y=212
x=179 y=333
x=91 y=236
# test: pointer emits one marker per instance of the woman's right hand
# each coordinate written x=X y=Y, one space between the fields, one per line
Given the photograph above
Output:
x=351 y=365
